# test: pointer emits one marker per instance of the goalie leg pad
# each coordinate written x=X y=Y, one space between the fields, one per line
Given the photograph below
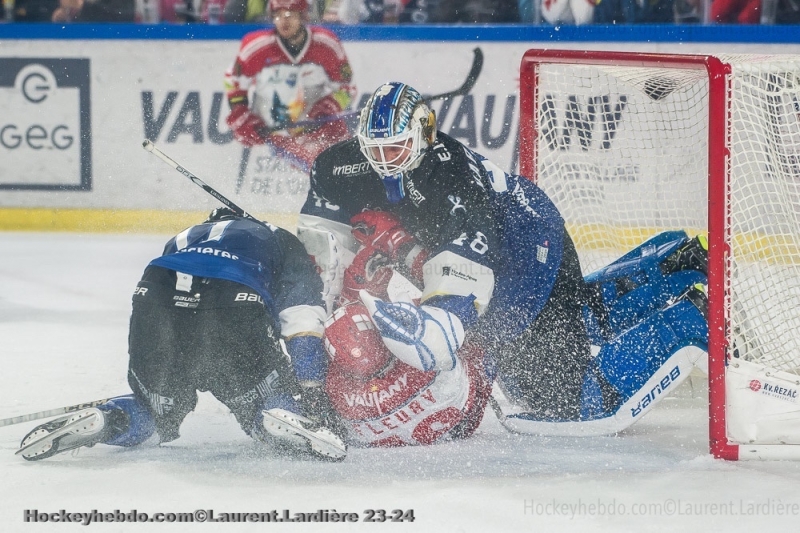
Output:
x=629 y=360
x=635 y=285
x=643 y=365
x=621 y=310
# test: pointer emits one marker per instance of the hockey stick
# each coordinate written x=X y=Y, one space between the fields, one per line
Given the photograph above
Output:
x=51 y=412
x=469 y=82
x=466 y=87
x=150 y=147
x=501 y=416
x=242 y=168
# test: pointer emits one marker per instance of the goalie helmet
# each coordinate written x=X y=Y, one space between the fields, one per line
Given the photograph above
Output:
x=395 y=129
x=354 y=345
x=287 y=5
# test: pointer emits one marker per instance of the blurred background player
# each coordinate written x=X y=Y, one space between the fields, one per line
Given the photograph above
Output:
x=494 y=259
x=209 y=315
x=287 y=84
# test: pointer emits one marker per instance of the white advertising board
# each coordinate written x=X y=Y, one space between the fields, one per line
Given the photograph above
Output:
x=73 y=115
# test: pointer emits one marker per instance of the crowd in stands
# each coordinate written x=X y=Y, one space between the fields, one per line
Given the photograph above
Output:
x=411 y=11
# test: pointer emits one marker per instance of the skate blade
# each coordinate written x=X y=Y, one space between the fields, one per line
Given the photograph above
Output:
x=45 y=443
x=281 y=424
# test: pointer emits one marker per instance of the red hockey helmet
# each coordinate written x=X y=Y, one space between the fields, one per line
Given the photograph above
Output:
x=288 y=5
x=353 y=344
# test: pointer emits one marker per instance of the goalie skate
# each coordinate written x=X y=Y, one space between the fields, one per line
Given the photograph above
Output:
x=299 y=434
x=84 y=428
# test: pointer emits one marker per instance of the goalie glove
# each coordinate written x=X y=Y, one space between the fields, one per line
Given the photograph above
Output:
x=424 y=337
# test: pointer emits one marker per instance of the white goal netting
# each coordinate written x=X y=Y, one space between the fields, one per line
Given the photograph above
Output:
x=624 y=153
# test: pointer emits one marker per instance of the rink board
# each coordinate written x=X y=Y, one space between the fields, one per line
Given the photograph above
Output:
x=75 y=105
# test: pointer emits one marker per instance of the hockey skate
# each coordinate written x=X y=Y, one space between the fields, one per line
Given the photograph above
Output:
x=294 y=434
x=84 y=428
x=692 y=255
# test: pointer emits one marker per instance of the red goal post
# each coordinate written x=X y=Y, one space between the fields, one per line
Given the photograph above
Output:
x=629 y=144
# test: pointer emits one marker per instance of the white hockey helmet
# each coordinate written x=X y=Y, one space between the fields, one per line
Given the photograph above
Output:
x=395 y=129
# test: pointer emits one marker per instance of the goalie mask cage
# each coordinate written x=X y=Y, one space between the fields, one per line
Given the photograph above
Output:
x=629 y=144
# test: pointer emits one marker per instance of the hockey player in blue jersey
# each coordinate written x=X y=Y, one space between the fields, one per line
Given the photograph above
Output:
x=209 y=315
x=494 y=260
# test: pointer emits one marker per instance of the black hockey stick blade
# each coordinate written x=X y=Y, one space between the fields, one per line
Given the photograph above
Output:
x=469 y=82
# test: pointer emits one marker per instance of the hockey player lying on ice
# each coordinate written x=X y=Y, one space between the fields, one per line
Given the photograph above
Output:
x=496 y=264
x=208 y=315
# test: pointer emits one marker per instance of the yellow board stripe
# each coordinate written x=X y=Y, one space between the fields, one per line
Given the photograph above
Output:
x=777 y=249
x=774 y=249
x=115 y=220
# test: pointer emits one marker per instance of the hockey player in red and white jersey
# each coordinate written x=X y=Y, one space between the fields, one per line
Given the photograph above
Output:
x=386 y=402
x=383 y=400
x=284 y=84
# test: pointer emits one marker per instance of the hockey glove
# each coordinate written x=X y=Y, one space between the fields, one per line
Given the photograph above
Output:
x=324 y=107
x=222 y=213
x=246 y=126
x=383 y=231
x=369 y=271
x=424 y=337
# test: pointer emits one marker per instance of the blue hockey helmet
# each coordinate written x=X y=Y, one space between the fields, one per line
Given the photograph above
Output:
x=395 y=128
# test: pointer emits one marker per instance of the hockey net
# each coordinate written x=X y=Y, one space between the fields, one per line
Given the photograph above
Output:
x=629 y=145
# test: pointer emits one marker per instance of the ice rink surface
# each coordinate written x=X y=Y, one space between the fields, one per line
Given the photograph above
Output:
x=64 y=309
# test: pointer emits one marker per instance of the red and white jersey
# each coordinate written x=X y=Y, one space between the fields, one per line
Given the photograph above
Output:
x=265 y=74
x=407 y=406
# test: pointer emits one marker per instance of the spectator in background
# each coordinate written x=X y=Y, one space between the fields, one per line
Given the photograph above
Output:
x=476 y=11
x=363 y=11
x=560 y=11
x=34 y=10
x=736 y=11
x=632 y=12
x=688 y=11
x=94 y=11
x=251 y=11
x=255 y=11
x=787 y=12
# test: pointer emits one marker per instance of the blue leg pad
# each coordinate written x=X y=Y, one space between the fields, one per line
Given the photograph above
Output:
x=655 y=249
x=634 y=286
x=629 y=360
